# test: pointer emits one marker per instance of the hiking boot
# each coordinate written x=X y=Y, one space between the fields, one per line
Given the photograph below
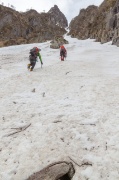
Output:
x=28 y=66
x=31 y=69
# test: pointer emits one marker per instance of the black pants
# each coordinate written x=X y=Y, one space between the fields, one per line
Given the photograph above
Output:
x=62 y=53
x=33 y=64
x=32 y=61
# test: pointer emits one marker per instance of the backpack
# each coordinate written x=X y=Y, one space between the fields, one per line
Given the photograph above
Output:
x=34 y=51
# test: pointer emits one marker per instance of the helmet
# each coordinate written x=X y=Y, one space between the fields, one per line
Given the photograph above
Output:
x=62 y=47
x=37 y=49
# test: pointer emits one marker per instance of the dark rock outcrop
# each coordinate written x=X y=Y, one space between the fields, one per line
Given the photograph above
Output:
x=100 y=23
x=31 y=26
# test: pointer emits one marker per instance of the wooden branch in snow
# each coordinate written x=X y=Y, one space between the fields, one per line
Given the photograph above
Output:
x=19 y=129
x=88 y=124
x=83 y=164
x=74 y=162
x=86 y=164
x=57 y=121
x=68 y=72
x=106 y=145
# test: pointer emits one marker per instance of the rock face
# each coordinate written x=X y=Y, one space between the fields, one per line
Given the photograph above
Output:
x=31 y=26
x=80 y=25
x=100 y=23
x=114 y=23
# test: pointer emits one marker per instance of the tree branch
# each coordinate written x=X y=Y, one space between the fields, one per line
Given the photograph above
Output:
x=19 y=130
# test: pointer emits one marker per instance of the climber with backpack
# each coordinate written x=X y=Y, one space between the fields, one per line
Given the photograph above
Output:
x=34 y=53
x=63 y=52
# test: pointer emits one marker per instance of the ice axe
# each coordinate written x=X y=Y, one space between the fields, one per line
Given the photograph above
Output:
x=41 y=64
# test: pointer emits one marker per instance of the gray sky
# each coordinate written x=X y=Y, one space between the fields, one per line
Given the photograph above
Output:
x=70 y=8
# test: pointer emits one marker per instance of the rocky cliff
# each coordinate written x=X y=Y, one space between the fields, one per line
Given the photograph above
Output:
x=58 y=17
x=80 y=26
x=31 y=26
x=100 y=23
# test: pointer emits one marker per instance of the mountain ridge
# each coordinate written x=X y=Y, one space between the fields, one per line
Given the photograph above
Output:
x=31 y=26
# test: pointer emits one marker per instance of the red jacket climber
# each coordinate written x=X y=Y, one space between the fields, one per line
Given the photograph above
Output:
x=63 y=52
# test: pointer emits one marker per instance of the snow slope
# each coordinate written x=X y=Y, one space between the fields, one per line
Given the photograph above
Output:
x=74 y=111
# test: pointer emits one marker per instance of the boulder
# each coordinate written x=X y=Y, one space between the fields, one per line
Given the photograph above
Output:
x=57 y=42
x=56 y=171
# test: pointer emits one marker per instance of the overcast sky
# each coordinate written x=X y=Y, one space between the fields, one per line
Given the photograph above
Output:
x=70 y=8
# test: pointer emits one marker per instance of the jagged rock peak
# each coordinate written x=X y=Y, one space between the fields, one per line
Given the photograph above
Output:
x=58 y=16
x=54 y=8
x=88 y=9
x=31 y=11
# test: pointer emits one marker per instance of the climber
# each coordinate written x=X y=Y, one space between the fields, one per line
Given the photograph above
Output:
x=34 y=53
x=63 y=52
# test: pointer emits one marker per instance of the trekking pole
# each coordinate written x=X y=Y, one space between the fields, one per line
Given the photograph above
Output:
x=66 y=56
